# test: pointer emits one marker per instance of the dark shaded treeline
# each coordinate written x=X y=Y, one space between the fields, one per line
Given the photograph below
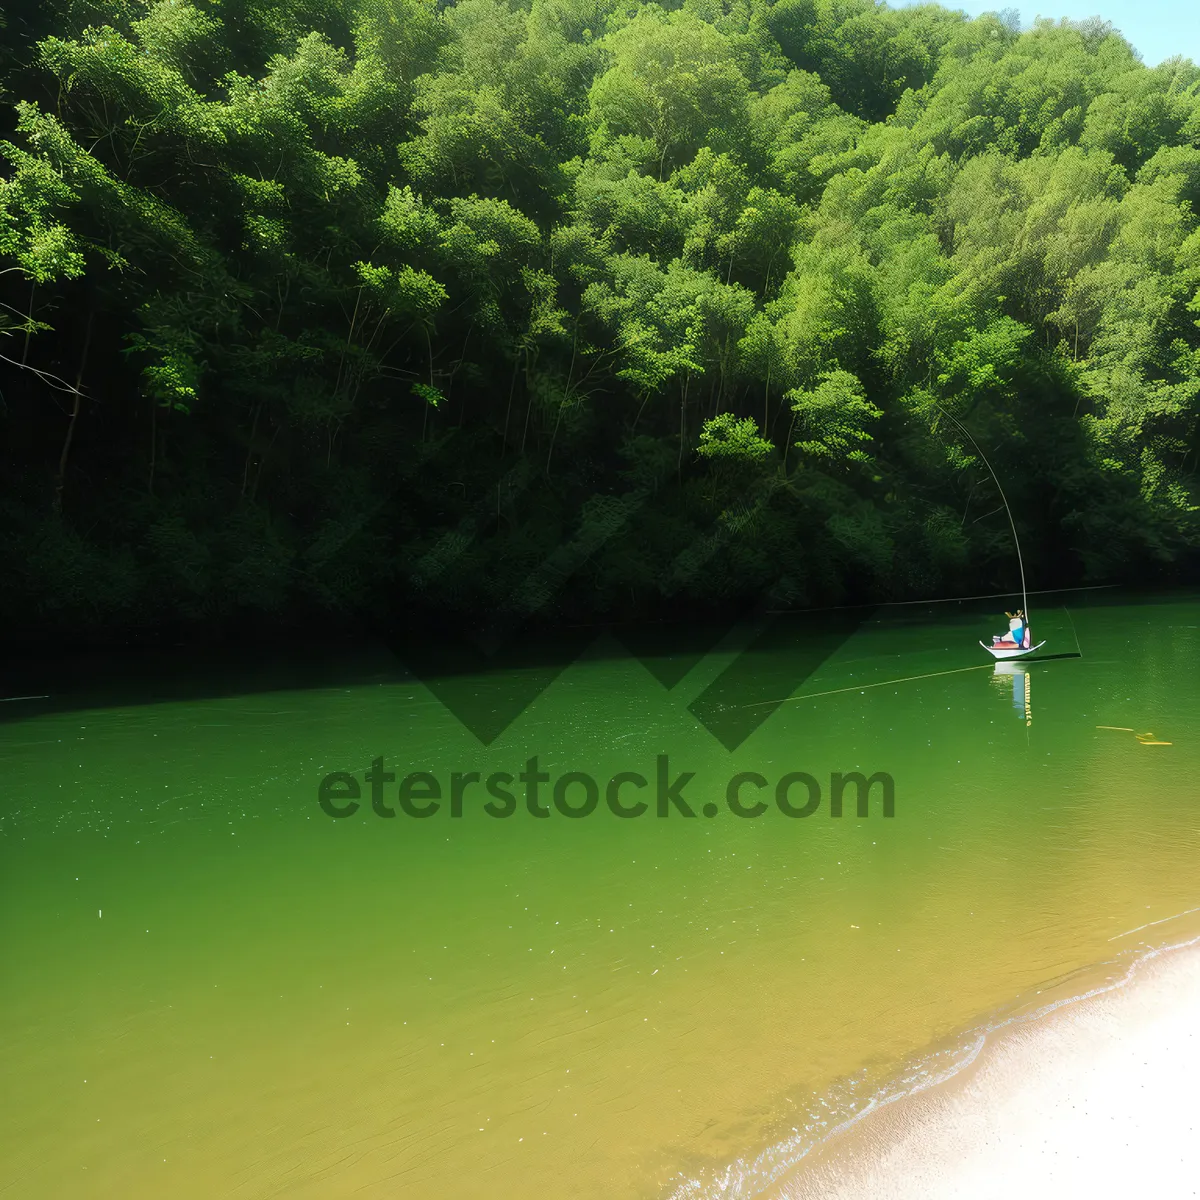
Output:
x=375 y=312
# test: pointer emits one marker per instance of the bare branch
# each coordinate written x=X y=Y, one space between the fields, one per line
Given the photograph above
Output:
x=59 y=385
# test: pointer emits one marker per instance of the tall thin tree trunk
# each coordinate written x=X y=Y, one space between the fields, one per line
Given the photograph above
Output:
x=250 y=447
x=563 y=402
x=428 y=403
x=683 y=391
x=571 y=368
x=153 y=441
x=349 y=339
x=554 y=436
x=528 y=403
x=28 y=327
x=512 y=387
x=641 y=408
x=462 y=355
x=262 y=462
x=66 y=450
x=788 y=444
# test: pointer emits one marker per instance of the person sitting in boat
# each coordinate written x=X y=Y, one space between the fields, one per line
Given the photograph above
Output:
x=1018 y=632
x=1016 y=627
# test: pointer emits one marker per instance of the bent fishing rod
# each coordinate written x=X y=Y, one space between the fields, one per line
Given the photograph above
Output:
x=1004 y=499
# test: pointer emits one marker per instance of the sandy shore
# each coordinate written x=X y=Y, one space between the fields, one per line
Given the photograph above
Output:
x=1099 y=1098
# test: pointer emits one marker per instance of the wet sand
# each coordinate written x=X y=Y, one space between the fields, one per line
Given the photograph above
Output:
x=1098 y=1098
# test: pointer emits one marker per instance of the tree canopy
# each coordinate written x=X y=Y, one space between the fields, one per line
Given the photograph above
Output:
x=368 y=308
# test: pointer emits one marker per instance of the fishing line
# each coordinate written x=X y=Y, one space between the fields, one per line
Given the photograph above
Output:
x=1095 y=587
x=1012 y=524
x=859 y=687
x=1073 y=630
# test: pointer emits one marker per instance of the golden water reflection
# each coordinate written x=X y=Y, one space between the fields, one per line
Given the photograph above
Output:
x=274 y=1003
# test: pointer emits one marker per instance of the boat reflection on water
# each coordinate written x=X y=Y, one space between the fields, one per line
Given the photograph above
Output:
x=1021 y=686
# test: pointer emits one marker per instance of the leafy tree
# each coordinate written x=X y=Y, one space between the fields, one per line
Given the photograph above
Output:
x=404 y=309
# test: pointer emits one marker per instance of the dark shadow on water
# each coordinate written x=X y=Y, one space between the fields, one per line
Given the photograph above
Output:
x=485 y=684
x=773 y=666
x=175 y=674
x=670 y=651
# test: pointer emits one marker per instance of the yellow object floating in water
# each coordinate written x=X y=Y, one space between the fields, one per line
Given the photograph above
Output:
x=1146 y=739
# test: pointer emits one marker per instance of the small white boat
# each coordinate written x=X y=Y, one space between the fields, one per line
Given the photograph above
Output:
x=1011 y=651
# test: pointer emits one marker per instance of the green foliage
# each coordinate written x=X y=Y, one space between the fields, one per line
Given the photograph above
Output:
x=728 y=437
x=389 y=302
x=834 y=417
x=675 y=81
x=431 y=395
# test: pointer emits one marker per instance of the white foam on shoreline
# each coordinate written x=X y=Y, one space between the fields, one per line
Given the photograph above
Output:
x=1095 y=1096
x=1040 y=1086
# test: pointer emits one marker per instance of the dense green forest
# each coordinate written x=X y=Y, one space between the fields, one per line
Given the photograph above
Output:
x=316 y=313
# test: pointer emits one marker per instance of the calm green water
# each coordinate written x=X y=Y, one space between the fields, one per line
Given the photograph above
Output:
x=211 y=987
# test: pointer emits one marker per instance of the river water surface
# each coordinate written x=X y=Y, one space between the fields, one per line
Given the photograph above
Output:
x=213 y=988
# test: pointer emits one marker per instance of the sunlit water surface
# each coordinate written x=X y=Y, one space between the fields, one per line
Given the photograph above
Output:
x=212 y=988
